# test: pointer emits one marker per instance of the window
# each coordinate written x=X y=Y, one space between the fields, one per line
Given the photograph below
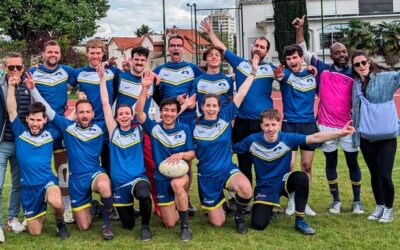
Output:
x=331 y=35
x=374 y=6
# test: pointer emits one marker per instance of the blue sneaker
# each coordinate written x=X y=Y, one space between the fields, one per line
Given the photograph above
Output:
x=304 y=228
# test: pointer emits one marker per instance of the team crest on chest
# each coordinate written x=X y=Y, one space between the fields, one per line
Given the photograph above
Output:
x=53 y=79
x=169 y=140
x=269 y=154
x=176 y=76
x=302 y=83
x=125 y=141
x=132 y=89
x=210 y=133
x=37 y=141
x=210 y=87
x=86 y=134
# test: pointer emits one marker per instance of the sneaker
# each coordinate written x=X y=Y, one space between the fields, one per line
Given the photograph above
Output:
x=15 y=226
x=186 y=234
x=290 y=210
x=377 y=214
x=387 y=215
x=357 y=208
x=62 y=231
x=95 y=211
x=304 y=228
x=2 y=238
x=241 y=226
x=309 y=211
x=107 y=233
x=114 y=214
x=145 y=233
x=191 y=209
x=68 y=216
x=335 y=206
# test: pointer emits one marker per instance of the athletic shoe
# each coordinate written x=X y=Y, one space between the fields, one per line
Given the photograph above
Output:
x=241 y=226
x=24 y=223
x=191 y=209
x=114 y=214
x=68 y=216
x=308 y=211
x=335 y=206
x=304 y=228
x=387 y=215
x=2 y=238
x=15 y=226
x=290 y=210
x=186 y=234
x=107 y=233
x=145 y=233
x=377 y=214
x=357 y=208
x=95 y=211
x=62 y=231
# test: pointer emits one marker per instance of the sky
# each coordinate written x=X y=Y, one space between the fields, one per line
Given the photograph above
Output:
x=125 y=16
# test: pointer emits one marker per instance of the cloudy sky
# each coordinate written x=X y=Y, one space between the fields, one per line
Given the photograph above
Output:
x=125 y=16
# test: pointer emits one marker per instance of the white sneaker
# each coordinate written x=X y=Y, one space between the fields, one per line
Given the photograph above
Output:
x=15 y=225
x=309 y=211
x=387 y=215
x=290 y=210
x=377 y=214
x=2 y=238
x=357 y=208
x=68 y=216
x=335 y=207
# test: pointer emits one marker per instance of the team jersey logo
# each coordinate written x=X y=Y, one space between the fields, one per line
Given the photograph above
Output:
x=302 y=84
x=169 y=140
x=36 y=141
x=84 y=134
x=52 y=79
x=176 y=76
x=210 y=133
x=132 y=89
x=264 y=71
x=125 y=141
x=266 y=154
x=213 y=87
x=93 y=77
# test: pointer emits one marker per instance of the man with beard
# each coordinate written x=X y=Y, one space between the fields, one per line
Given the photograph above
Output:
x=335 y=89
x=51 y=79
x=258 y=97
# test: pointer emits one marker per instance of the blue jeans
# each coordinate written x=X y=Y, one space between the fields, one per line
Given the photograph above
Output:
x=7 y=152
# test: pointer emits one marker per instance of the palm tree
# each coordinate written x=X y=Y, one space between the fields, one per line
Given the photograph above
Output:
x=143 y=30
x=388 y=42
x=359 y=35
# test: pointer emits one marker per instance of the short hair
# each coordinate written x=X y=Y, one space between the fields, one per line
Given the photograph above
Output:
x=123 y=105
x=262 y=38
x=206 y=96
x=208 y=50
x=290 y=50
x=13 y=55
x=50 y=43
x=82 y=101
x=271 y=114
x=95 y=43
x=141 y=51
x=169 y=101
x=37 y=107
x=175 y=37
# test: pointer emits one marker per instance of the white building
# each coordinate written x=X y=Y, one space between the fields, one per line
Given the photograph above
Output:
x=223 y=24
x=258 y=21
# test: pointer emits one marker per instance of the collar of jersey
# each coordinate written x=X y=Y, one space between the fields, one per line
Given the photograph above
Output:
x=47 y=70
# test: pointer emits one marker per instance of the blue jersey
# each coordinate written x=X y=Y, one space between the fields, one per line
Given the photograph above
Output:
x=218 y=84
x=126 y=156
x=52 y=85
x=213 y=143
x=166 y=142
x=177 y=79
x=129 y=87
x=298 y=94
x=89 y=82
x=83 y=145
x=34 y=153
x=271 y=160
x=259 y=96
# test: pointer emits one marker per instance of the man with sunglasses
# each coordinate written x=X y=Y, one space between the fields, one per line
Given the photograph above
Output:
x=13 y=67
x=335 y=89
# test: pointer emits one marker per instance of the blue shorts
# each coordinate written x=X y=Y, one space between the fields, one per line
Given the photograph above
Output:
x=165 y=194
x=270 y=191
x=211 y=189
x=81 y=188
x=123 y=195
x=33 y=199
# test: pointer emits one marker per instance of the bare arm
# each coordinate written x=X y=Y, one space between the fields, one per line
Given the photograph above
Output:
x=206 y=26
x=244 y=88
x=11 y=101
x=327 y=136
x=147 y=81
x=187 y=156
x=298 y=24
x=105 y=102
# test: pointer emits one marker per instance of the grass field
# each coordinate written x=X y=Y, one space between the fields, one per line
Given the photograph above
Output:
x=344 y=231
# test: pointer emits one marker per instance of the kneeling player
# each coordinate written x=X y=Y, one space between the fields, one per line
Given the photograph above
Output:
x=34 y=147
x=271 y=151
x=173 y=141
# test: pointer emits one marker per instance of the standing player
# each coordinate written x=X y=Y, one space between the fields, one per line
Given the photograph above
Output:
x=51 y=80
x=176 y=78
x=173 y=141
x=259 y=96
x=39 y=185
x=83 y=140
x=128 y=174
x=271 y=151
x=334 y=110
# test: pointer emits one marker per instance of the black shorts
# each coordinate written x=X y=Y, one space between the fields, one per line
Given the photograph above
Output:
x=305 y=128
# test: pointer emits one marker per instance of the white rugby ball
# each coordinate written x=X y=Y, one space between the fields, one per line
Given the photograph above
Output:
x=173 y=170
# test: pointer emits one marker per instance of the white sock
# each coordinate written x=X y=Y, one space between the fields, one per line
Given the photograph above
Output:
x=67 y=202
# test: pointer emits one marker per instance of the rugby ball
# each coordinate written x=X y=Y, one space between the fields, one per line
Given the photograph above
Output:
x=173 y=170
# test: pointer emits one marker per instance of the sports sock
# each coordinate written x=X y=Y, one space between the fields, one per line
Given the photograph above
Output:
x=67 y=202
x=106 y=209
x=241 y=204
x=355 y=173
x=184 y=216
x=145 y=210
x=331 y=173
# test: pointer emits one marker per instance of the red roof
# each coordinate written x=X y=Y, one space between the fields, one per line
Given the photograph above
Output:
x=126 y=42
x=188 y=36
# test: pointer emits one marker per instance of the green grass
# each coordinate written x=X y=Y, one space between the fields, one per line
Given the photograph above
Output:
x=344 y=231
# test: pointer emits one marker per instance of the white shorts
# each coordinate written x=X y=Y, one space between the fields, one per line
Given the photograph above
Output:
x=330 y=146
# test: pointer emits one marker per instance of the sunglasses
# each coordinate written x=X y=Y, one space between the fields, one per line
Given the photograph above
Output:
x=13 y=67
x=358 y=64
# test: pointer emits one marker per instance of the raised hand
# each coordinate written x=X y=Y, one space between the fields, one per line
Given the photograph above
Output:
x=190 y=101
x=29 y=83
x=313 y=70
x=181 y=98
x=205 y=25
x=298 y=22
x=254 y=63
x=82 y=95
x=112 y=61
x=278 y=72
x=147 y=79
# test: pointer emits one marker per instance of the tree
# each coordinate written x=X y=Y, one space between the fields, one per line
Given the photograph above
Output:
x=143 y=30
x=359 y=35
x=285 y=11
x=387 y=40
x=34 y=21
